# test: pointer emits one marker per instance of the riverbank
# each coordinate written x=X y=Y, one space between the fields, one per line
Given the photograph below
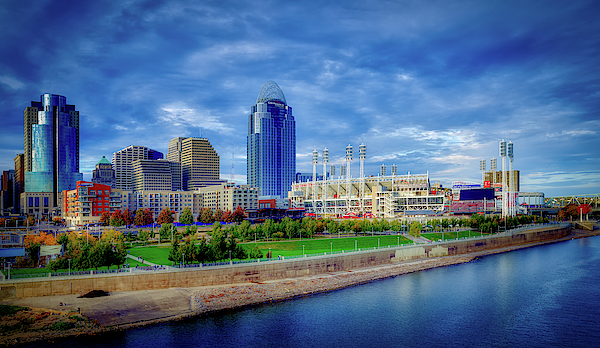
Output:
x=125 y=310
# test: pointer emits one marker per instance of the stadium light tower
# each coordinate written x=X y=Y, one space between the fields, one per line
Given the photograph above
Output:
x=511 y=191
x=362 y=156
x=504 y=188
x=324 y=190
x=315 y=160
x=349 y=158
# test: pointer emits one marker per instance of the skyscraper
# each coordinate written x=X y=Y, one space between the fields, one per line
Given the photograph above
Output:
x=104 y=173
x=271 y=143
x=51 y=146
x=199 y=162
x=122 y=163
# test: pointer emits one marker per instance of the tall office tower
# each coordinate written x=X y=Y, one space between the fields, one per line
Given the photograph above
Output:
x=19 y=182
x=271 y=143
x=383 y=170
x=104 y=173
x=51 y=146
x=157 y=175
x=123 y=159
x=7 y=191
x=199 y=164
x=174 y=153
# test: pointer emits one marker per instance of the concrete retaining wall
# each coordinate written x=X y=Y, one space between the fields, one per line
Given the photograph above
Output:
x=259 y=272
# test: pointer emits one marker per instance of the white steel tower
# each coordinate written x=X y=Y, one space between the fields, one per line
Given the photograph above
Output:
x=315 y=160
x=362 y=155
x=504 y=186
x=349 y=158
x=511 y=191
x=325 y=161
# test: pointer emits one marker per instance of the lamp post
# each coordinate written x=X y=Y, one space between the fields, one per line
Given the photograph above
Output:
x=331 y=243
x=303 y=255
x=355 y=245
x=378 y=240
x=398 y=241
x=69 y=266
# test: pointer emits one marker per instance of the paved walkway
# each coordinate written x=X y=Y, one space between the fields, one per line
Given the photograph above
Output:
x=145 y=262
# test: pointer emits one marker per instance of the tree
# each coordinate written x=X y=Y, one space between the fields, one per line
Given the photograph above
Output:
x=239 y=214
x=203 y=251
x=116 y=219
x=255 y=253
x=218 y=215
x=186 y=216
x=148 y=216
x=105 y=218
x=139 y=217
x=218 y=242
x=165 y=216
x=227 y=216
x=165 y=232
x=415 y=229
x=127 y=217
x=175 y=254
x=206 y=216
x=143 y=235
x=333 y=227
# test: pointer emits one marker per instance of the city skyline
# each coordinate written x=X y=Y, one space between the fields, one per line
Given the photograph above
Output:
x=430 y=87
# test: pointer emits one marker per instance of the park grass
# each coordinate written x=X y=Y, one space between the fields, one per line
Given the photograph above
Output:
x=323 y=245
x=153 y=253
x=159 y=255
x=434 y=236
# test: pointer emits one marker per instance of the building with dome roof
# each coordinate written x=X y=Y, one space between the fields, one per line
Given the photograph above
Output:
x=271 y=143
x=104 y=173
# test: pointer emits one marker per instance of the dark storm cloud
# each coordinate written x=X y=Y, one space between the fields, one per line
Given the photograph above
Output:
x=429 y=86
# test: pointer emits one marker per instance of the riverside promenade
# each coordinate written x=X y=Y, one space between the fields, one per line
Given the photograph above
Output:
x=132 y=308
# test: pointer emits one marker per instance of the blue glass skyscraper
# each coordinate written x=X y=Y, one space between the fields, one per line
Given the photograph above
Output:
x=51 y=146
x=271 y=143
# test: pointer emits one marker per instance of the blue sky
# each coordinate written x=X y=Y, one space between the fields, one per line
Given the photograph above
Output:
x=427 y=85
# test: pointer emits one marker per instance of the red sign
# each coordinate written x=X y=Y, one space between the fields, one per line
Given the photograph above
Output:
x=487 y=184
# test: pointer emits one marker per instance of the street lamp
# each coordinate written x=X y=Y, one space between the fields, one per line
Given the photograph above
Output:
x=331 y=247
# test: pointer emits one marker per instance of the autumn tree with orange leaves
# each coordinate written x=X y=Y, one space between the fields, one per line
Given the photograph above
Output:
x=33 y=243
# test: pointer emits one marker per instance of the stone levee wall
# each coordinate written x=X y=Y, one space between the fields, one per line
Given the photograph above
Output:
x=265 y=271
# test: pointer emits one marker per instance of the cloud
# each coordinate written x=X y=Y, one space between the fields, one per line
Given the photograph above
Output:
x=12 y=82
x=187 y=117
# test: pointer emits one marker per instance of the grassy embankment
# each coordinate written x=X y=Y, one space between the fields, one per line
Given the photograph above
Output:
x=160 y=254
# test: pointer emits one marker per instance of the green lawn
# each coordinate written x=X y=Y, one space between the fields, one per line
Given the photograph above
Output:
x=434 y=236
x=159 y=255
x=153 y=253
x=321 y=245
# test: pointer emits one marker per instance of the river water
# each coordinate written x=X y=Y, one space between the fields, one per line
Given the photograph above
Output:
x=546 y=296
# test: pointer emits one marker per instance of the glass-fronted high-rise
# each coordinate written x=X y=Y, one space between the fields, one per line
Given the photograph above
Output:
x=52 y=145
x=271 y=143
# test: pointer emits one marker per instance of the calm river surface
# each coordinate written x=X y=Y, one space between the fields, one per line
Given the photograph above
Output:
x=547 y=296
